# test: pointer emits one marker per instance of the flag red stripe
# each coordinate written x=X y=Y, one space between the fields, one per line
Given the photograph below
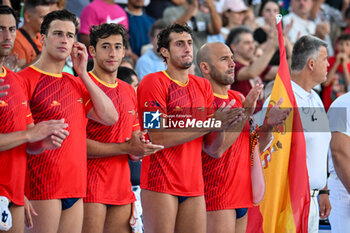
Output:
x=297 y=172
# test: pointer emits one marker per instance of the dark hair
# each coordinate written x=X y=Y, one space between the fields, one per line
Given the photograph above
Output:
x=234 y=35
x=164 y=35
x=105 y=30
x=343 y=37
x=159 y=24
x=263 y=4
x=125 y=73
x=6 y=10
x=31 y=4
x=63 y=15
x=305 y=48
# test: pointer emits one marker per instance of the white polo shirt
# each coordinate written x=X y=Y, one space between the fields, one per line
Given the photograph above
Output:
x=316 y=132
x=338 y=116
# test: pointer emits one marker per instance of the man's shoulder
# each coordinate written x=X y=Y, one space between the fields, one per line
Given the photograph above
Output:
x=202 y=82
x=126 y=87
x=28 y=71
x=12 y=75
x=152 y=79
x=234 y=94
x=342 y=101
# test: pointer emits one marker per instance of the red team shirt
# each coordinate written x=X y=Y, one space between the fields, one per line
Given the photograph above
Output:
x=14 y=116
x=109 y=177
x=176 y=170
x=228 y=180
x=59 y=173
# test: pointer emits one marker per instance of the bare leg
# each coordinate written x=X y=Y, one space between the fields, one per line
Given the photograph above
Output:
x=221 y=221
x=49 y=214
x=191 y=216
x=117 y=219
x=241 y=224
x=159 y=211
x=17 y=213
x=94 y=217
x=72 y=219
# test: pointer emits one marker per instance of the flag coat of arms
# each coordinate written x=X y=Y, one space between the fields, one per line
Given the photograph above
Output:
x=285 y=207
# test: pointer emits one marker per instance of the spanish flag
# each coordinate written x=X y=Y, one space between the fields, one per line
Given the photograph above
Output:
x=285 y=207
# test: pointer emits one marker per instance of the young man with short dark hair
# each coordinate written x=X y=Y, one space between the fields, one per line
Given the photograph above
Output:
x=108 y=205
x=57 y=179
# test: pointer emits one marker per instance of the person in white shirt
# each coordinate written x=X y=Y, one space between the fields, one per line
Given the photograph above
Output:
x=339 y=160
x=151 y=61
x=308 y=69
x=302 y=25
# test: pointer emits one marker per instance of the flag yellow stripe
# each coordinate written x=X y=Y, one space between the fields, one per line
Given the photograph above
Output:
x=276 y=206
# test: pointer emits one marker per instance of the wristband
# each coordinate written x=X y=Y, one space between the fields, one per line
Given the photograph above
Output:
x=324 y=191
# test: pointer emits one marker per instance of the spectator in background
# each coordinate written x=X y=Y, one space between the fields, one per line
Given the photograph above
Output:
x=151 y=61
x=128 y=75
x=57 y=5
x=267 y=14
x=267 y=22
x=98 y=12
x=128 y=62
x=76 y=6
x=27 y=45
x=156 y=7
x=201 y=23
x=232 y=16
x=323 y=14
x=251 y=70
x=338 y=77
x=300 y=10
x=139 y=25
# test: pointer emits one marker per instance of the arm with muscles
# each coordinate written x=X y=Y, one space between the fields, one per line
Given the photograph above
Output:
x=260 y=64
x=103 y=110
x=340 y=147
x=136 y=147
x=33 y=134
x=235 y=129
x=173 y=137
x=3 y=88
x=217 y=142
x=216 y=24
x=275 y=116
x=323 y=201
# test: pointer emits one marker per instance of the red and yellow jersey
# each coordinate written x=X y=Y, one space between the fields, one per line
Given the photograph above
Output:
x=176 y=170
x=109 y=177
x=227 y=180
x=14 y=116
x=59 y=173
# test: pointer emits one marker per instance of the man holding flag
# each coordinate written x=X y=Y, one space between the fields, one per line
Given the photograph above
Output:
x=227 y=180
x=296 y=164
